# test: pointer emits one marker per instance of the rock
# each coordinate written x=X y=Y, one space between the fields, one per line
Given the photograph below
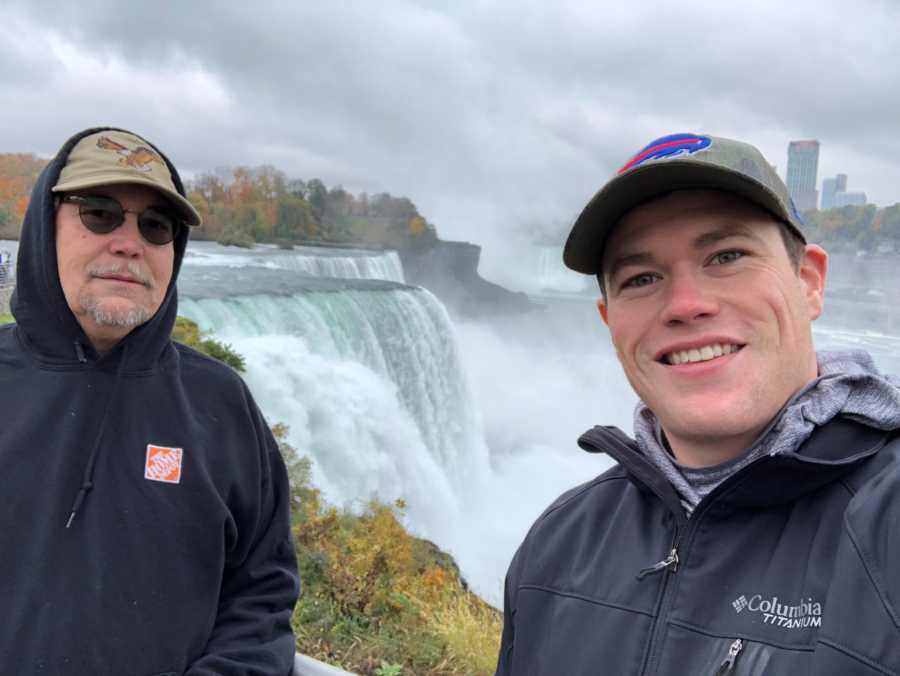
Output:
x=450 y=271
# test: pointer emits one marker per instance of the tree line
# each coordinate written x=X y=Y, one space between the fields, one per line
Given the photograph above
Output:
x=245 y=205
x=855 y=228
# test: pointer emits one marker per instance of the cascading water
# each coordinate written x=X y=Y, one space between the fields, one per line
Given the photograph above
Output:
x=307 y=260
x=370 y=383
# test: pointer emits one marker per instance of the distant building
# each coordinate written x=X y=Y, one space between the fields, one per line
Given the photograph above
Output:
x=802 y=170
x=829 y=187
x=843 y=199
x=834 y=193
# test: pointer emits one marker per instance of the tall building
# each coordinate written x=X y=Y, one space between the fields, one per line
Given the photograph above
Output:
x=802 y=169
x=840 y=184
x=829 y=187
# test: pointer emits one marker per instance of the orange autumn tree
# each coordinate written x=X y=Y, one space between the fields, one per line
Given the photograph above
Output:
x=18 y=173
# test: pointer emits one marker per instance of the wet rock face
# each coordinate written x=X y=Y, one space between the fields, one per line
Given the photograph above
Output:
x=450 y=271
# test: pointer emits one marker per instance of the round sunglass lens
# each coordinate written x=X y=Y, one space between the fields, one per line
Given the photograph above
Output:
x=99 y=217
x=157 y=227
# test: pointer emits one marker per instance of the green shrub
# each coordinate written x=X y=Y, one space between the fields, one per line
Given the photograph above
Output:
x=188 y=333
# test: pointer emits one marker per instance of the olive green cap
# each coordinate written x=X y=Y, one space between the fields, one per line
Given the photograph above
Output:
x=677 y=162
x=113 y=156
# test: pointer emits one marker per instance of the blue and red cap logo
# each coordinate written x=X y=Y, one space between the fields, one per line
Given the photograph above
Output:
x=668 y=146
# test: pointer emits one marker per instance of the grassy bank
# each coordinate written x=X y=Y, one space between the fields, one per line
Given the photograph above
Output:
x=377 y=600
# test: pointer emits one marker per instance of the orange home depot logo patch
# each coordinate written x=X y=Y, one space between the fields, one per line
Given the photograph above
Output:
x=163 y=464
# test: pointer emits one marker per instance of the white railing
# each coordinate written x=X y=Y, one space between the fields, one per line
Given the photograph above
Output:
x=307 y=666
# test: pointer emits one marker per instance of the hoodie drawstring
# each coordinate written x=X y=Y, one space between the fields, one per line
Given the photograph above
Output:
x=88 y=482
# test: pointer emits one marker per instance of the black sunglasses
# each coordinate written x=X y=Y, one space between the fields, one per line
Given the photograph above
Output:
x=102 y=215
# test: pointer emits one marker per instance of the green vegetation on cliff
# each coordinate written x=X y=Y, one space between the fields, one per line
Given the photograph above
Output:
x=6 y=319
x=188 y=333
x=377 y=600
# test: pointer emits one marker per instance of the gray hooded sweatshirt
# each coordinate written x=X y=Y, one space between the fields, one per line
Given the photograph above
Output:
x=848 y=384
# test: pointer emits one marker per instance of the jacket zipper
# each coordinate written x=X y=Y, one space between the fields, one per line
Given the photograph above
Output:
x=727 y=665
x=671 y=561
x=668 y=566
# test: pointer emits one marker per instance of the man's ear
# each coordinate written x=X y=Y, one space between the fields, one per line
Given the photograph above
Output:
x=601 y=305
x=812 y=272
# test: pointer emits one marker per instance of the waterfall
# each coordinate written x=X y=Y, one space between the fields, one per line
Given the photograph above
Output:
x=308 y=261
x=386 y=266
x=370 y=383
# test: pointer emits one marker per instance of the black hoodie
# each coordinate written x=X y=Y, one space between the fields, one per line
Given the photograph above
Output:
x=104 y=571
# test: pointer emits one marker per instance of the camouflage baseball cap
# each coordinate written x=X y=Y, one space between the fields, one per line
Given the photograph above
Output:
x=113 y=156
x=677 y=162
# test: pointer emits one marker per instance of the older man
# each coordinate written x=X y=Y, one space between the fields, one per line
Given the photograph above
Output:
x=752 y=526
x=144 y=523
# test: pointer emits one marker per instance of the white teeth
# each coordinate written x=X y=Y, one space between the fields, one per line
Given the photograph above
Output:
x=704 y=353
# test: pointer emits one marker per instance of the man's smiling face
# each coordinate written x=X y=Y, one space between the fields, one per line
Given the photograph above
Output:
x=710 y=318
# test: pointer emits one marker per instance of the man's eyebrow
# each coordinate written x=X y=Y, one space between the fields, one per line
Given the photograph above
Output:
x=724 y=231
x=629 y=259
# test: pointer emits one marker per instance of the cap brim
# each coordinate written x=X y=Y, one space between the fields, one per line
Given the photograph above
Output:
x=584 y=248
x=184 y=207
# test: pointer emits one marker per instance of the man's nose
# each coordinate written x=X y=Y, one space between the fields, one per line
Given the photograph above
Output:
x=689 y=299
x=126 y=240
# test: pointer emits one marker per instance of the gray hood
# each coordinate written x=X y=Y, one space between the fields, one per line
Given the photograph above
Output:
x=849 y=384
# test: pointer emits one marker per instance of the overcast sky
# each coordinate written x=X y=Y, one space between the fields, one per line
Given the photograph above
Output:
x=496 y=119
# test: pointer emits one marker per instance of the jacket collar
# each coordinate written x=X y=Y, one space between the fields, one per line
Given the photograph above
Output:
x=833 y=449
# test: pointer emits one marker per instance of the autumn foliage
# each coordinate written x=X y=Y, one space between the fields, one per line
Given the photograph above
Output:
x=377 y=600
x=18 y=173
x=246 y=205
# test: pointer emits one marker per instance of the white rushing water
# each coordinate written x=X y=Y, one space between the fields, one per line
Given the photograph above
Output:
x=374 y=390
x=390 y=399
x=305 y=260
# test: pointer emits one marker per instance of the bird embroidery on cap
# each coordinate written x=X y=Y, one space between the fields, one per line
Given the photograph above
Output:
x=140 y=158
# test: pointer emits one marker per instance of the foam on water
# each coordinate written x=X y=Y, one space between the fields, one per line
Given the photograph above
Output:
x=309 y=261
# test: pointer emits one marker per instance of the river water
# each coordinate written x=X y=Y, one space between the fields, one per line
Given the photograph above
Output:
x=472 y=423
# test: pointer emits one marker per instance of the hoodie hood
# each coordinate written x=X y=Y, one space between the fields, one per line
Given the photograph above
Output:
x=44 y=321
x=849 y=385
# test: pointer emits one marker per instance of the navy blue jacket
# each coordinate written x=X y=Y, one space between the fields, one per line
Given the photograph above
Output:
x=790 y=566
x=196 y=577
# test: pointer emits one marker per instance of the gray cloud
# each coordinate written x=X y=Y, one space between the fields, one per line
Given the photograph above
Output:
x=495 y=118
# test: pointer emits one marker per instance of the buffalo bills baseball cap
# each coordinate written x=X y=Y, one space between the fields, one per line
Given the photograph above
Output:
x=677 y=162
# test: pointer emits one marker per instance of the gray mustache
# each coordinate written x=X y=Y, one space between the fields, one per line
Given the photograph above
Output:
x=131 y=269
